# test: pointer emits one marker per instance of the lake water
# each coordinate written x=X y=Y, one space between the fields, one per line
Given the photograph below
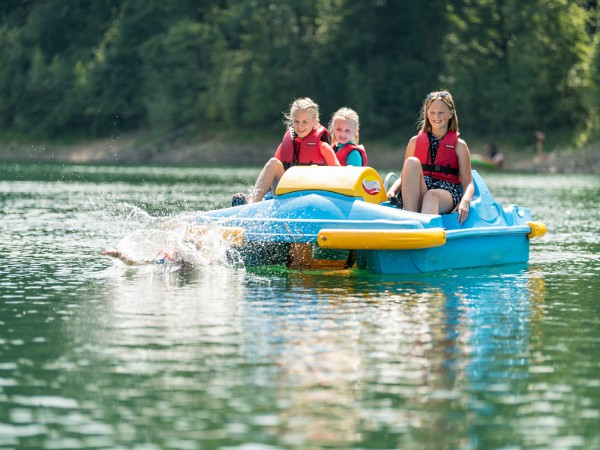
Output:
x=98 y=354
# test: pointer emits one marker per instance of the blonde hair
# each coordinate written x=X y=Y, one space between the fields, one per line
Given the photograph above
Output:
x=301 y=104
x=445 y=97
x=344 y=113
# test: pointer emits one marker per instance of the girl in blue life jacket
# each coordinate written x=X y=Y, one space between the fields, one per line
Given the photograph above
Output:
x=305 y=142
x=343 y=127
x=436 y=176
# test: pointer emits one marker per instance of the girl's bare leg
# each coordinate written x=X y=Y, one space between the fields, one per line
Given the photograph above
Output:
x=437 y=201
x=270 y=174
x=413 y=184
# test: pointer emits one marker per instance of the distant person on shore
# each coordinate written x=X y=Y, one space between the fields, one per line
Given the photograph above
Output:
x=540 y=137
x=496 y=157
x=305 y=142
x=436 y=176
x=343 y=127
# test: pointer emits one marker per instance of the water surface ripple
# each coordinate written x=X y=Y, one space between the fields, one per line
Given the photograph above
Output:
x=98 y=354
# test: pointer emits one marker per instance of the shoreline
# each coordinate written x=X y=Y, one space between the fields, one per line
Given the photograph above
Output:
x=220 y=150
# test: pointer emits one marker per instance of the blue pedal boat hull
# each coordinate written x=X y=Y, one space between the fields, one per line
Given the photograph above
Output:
x=331 y=211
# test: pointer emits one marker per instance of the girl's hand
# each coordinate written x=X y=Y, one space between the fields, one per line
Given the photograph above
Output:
x=463 y=211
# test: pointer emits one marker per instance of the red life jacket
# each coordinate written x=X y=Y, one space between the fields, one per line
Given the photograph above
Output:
x=445 y=166
x=304 y=152
x=345 y=151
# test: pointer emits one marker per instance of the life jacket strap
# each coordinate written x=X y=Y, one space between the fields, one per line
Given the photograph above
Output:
x=441 y=169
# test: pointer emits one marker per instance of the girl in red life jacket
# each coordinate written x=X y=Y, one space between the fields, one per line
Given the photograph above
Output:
x=343 y=128
x=306 y=142
x=436 y=176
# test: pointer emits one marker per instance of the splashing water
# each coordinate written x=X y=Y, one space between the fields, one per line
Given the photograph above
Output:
x=173 y=239
x=179 y=242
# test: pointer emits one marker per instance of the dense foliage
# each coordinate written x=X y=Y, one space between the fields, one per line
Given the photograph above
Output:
x=97 y=67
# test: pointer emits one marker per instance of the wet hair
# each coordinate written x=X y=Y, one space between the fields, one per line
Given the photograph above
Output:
x=445 y=97
x=301 y=104
x=344 y=113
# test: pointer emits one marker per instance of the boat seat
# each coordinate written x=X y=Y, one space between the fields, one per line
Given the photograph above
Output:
x=351 y=181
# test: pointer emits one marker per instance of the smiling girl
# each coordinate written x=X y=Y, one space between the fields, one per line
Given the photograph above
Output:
x=343 y=127
x=305 y=142
x=436 y=176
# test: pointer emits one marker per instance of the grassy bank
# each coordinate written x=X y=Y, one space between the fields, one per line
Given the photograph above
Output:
x=222 y=147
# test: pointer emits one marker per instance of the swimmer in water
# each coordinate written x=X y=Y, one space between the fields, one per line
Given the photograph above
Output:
x=184 y=246
x=161 y=258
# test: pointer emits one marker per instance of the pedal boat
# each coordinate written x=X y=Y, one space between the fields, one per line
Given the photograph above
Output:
x=340 y=217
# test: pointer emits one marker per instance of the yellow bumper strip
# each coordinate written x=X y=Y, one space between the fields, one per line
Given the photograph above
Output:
x=382 y=239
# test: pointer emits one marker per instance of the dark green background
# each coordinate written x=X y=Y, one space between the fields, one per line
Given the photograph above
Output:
x=95 y=68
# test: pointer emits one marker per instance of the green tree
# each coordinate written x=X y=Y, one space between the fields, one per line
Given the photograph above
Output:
x=99 y=67
x=177 y=69
x=594 y=89
x=517 y=67
x=386 y=55
x=274 y=53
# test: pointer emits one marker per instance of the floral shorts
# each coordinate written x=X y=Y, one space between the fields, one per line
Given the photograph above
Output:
x=455 y=190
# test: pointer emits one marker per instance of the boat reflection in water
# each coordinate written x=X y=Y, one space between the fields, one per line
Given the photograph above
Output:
x=433 y=353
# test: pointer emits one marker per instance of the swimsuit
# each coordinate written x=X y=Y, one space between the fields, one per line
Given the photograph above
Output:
x=455 y=189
